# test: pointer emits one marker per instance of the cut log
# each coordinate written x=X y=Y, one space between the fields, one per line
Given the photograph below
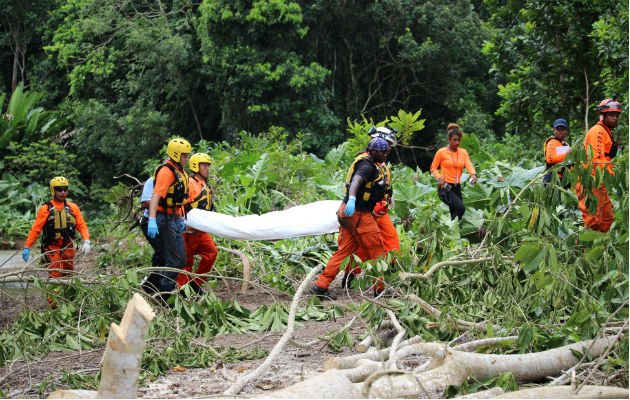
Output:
x=121 y=362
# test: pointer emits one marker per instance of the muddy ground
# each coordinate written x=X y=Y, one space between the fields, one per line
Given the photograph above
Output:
x=37 y=379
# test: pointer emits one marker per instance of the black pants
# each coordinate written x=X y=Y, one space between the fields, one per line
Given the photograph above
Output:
x=452 y=197
x=172 y=247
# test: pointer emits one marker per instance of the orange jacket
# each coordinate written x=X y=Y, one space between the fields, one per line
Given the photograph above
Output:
x=551 y=156
x=42 y=216
x=451 y=164
x=599 y=138
x=163 y=181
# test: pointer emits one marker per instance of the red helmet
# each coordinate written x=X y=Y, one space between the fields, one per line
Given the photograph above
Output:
x=609 y=105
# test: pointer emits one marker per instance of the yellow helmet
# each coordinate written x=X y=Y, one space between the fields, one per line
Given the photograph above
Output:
x=57 y=181
x=197 y=159
x=177 y=147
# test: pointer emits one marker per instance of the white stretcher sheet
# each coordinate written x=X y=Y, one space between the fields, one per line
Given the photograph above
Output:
x=306 y=220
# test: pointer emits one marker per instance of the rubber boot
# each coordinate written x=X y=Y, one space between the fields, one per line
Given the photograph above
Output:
x=321 y=293
x=346 y=282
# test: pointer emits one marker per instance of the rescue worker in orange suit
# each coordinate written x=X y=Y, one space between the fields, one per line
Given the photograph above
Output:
x=554 y=145
x=59 y=219
x=384 y=222
x=599 y=138
x=196 y=241
x=365 y=186
x=451 y=161
x=166 y=211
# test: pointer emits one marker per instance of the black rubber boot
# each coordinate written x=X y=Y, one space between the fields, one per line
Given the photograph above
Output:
x=346 y=282
x=151 y=283
x=196 y=288
x=389 y=293
x=321 y=293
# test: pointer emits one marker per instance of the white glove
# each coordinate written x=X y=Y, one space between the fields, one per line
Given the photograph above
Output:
x=86 y=247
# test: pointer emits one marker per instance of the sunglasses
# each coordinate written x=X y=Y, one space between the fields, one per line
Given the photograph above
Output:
x=61 y=189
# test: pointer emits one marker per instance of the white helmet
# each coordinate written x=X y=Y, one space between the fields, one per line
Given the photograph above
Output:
x=385 y=133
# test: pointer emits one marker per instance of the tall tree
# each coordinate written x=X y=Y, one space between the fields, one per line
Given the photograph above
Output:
x=553 y=59
x=19 y=37
x=401 y=54
x=257 y=58
x=135 y=67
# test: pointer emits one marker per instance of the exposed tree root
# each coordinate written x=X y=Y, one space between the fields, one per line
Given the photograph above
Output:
x=483 y=342
x=484 y=394
x=377 y=355
x=244 y=380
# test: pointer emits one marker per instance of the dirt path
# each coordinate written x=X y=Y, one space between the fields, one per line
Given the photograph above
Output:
x=40 y=378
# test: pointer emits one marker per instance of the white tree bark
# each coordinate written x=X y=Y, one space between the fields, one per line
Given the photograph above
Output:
x=123 y=355
x=459 y=366
x=566 y=392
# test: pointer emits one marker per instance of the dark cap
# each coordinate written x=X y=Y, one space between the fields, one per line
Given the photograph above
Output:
x=378 y=144
x=561 y=122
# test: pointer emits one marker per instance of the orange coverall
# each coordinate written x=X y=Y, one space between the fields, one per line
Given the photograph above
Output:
x=599 y=138
x=57 y=257
x=197 y=242
x=360 y=231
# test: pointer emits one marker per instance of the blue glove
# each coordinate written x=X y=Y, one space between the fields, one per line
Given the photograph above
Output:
x=25 y=254
x=152 y=229
x=182 y=225
x=349 y=211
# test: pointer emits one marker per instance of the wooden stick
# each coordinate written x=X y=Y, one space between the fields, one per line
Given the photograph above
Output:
x=244 y=380
x=246 y=267
x=425 y=277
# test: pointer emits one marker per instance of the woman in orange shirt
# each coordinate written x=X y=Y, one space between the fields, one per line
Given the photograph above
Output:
x=451 y=161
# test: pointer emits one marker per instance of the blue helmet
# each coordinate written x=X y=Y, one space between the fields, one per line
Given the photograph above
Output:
x=378 y=144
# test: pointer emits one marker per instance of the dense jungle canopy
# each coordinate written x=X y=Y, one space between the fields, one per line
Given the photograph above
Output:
x=124 y=76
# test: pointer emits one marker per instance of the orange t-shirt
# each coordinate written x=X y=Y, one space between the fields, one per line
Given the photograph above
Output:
x=42 y=216
x=451 y=164
x=163 y=181
x=599 y=137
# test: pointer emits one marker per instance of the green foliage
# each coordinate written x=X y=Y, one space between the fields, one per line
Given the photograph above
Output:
x=504 y=381
x=18 y=206
x=40 y=161
x=23 y=122
x=549 y=56
x=256 y=83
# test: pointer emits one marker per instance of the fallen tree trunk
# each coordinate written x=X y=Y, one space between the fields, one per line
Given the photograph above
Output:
x=328 y=385
x=567 y=392
x=458 y=366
